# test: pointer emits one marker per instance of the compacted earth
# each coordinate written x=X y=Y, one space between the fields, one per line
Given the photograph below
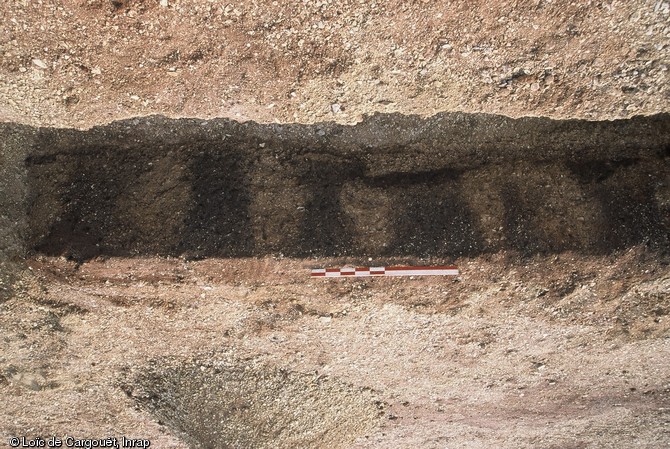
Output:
x=171 y=171
x=556 y=351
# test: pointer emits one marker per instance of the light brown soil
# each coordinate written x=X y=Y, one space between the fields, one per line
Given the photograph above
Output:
x=85 y=62
x=565 y=351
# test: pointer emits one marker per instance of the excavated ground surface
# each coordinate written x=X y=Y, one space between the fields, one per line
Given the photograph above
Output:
x=548 y=351
x=168 y=279
x=154 y=272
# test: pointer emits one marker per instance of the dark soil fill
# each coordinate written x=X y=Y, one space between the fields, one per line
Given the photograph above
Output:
x=452 y=185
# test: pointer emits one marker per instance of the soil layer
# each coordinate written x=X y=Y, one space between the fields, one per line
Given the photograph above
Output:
x=453 y=185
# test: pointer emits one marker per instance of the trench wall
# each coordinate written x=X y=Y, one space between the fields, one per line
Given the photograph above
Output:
x=448 y=186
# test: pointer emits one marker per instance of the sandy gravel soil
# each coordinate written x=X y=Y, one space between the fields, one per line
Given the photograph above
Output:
x=567 y=351
x=85 y=62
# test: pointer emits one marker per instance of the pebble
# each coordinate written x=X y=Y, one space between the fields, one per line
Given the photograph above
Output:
x=535 y=87
x=335 y=107
x=164 y=3
x=39 y=63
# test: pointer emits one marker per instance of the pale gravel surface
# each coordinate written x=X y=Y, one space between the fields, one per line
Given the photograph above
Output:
x=85 y=62
x=498 y=368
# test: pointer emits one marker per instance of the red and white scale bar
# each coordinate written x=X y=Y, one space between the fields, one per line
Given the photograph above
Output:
x=384 y=271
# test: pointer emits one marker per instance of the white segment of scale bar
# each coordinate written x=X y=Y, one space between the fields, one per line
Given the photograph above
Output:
x=449 y=272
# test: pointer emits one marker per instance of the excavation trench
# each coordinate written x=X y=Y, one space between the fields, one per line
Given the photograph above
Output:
x=223 y=401
x=452 y=185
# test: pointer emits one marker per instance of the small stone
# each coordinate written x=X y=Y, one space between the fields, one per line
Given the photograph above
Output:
x=164 y=3
x=96 y=71
x=335 y=107
x=134 y=97
x=39 y=63
x=535 y=87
